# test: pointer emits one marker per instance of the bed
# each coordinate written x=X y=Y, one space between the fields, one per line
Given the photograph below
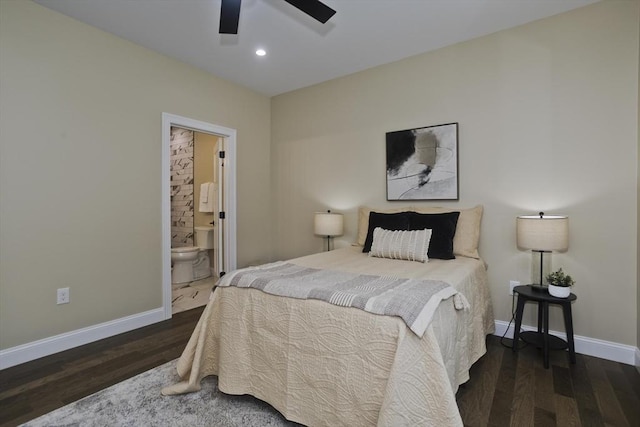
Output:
x=321 y=364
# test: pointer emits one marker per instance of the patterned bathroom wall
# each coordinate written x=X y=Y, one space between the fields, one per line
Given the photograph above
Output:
x=181 y=166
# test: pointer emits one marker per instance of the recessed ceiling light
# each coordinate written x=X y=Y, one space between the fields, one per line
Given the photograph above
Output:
x=261 y=52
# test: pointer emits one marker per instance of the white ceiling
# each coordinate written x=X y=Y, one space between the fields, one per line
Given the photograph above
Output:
x=301 y=51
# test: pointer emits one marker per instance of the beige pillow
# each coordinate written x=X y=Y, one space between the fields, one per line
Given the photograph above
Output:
x=401 y=244
x=465 y=241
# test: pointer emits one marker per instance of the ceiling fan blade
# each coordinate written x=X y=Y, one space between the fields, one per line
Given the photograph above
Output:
x=229 y=16
x=314 y=8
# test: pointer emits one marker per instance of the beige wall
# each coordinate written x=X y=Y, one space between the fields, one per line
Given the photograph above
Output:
x=204 y=157
x=80 y=169
x=548 y=117
x=204 y=153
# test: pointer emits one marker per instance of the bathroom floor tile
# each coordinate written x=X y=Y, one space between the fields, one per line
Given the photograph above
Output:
x=185 y=296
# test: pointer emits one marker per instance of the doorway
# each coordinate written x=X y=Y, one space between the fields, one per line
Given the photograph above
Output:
x=225 y=260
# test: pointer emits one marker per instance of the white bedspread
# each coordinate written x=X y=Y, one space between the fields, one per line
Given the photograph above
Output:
x=324 y=365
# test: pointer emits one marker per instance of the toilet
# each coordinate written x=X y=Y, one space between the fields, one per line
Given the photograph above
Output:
x=182 y=260
x=204 y=241
x=192 y=262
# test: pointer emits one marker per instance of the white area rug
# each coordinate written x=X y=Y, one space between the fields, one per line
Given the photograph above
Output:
x=138 y=402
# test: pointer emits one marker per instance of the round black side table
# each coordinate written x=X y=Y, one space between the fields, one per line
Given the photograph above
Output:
x=542 y=338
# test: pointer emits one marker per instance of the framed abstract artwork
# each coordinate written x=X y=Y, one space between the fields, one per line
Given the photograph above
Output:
x=422 y=163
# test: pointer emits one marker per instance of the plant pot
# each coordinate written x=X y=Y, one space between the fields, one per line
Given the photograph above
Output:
x=559 y=291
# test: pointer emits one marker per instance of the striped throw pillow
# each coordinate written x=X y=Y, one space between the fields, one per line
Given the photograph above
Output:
x=408 y=245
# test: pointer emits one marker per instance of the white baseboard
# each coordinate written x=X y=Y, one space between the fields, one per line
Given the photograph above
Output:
x=47 y=346
x=584 y=345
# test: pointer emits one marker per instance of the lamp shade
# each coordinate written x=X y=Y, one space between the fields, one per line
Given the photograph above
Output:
x=543 y=232
x=328 y=224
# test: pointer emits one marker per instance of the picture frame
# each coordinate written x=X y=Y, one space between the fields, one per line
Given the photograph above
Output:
x=422 y=163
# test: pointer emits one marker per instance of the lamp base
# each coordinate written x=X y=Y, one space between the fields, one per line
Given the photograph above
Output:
x=538 y=288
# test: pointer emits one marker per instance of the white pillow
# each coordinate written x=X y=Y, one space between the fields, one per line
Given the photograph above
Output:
x=401 y=244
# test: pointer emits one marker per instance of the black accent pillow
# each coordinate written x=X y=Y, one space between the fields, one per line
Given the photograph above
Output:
x=443 y=228
x=387 y=221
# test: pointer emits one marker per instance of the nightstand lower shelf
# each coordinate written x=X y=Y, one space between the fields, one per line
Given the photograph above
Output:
x=537 y=339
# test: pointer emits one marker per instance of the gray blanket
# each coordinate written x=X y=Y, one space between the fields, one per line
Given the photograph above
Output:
x=413 y=300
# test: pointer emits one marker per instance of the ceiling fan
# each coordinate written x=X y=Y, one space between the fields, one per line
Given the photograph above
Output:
x=230 y=13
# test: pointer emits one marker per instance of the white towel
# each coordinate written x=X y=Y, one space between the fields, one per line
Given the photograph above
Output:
x=206 y=197
x=204 y=192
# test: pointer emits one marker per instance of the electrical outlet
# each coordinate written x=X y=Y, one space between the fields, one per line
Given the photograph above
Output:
x=63 y=296
x=513 y=284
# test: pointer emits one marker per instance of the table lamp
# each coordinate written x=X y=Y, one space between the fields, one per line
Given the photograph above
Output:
x=328 y=224
x=542 y=233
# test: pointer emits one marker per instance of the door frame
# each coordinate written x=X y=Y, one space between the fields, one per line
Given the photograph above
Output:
x=230 y=250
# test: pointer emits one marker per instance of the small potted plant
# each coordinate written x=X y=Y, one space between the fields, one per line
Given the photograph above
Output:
x=560 y=284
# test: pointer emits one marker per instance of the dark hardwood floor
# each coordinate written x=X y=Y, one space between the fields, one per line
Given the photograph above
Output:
x=508 y=389
x=505 y=389
x=40 y=386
